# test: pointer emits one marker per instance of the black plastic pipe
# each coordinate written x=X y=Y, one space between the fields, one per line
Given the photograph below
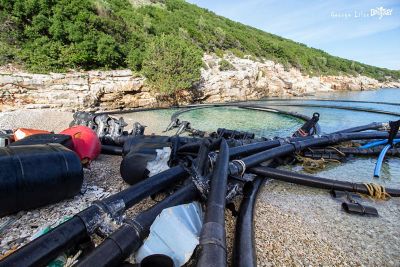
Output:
x=327 y=152
x=331 y=100
x=129 y=237
x=371 y=126
x=317 y=182
x=213 y=237
x=45 y=248
x=255 y=159
x=369 y=110
x=111 y=150
x=244 y=254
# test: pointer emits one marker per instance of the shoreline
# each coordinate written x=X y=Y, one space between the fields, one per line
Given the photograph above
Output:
x=122 y=89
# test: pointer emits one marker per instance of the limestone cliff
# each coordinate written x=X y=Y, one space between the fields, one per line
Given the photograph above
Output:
x=107 y=90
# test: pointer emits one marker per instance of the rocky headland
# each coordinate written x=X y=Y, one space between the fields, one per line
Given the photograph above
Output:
x=117 y=89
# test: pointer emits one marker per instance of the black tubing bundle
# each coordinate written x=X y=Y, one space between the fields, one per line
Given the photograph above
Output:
x=213 y=238
x=35 y=175
x=129 y=237
x=244 y=254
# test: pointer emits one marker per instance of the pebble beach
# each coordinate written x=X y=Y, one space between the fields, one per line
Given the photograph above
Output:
x=294 y=225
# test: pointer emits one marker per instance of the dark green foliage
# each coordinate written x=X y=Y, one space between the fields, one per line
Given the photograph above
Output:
x=51 y=35
x=225 y=65
x=171 y=64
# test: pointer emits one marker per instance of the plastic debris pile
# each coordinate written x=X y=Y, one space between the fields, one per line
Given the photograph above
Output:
x=200 y=174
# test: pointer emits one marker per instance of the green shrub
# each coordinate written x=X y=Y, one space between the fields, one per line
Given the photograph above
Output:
x=49 y=35
x=171 y=64
x=225 y=65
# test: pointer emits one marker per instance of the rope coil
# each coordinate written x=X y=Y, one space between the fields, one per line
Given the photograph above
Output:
x=377 y=191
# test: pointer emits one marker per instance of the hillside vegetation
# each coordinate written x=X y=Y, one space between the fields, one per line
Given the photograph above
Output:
x=167 y=37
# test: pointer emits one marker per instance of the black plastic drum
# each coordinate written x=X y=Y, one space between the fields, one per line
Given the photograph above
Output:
x=36 y=175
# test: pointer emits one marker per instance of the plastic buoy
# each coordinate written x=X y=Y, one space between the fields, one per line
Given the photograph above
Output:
x=21 y=133
x=86 y=143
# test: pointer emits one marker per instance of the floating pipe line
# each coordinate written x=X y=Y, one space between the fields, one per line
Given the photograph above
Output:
x=331 y=100
x=371 y=126
x=377 y=111
x=316 y=182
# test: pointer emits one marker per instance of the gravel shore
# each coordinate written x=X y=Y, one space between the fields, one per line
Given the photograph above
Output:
x=295 y=225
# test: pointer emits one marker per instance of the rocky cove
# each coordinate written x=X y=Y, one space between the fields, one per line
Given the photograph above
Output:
x=117 y=89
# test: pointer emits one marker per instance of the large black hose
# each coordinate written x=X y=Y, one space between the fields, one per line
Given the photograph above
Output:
x=255 y=159
x=317 y=182
x=42 y=250
x=371 y=126
x=111 y=150
x=332 y=100
x=129 y=237
x=356 y=151
x=370 y=110
x=213 y=238
x=244 y=254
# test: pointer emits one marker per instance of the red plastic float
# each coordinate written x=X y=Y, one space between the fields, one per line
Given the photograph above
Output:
x=86 y=143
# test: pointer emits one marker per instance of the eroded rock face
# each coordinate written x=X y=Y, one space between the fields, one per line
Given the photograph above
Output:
x=75 y=90
x=109 y=90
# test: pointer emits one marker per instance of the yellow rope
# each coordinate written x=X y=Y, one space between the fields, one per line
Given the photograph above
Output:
x=313 y=165
x=377 y=191
x=338 y=151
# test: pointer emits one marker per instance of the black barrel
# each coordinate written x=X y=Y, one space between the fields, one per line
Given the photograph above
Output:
x=35 y=175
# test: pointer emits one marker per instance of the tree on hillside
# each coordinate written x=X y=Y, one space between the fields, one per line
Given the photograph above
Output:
x=171 y=64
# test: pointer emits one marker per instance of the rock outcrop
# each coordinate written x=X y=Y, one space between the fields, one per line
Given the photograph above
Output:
x=117 y=89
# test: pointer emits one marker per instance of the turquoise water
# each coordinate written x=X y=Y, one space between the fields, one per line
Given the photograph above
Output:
x=270 y=125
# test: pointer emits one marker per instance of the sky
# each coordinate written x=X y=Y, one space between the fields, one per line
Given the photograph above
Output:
x=351 y=29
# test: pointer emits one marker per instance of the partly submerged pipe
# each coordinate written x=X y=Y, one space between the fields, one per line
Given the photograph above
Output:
x=370 y=126
x=213 y=238
x=244 y=254
x=369 y=110
x=356 y=151
x=129 y=237
x=317 y=182
x=42 y=250
x=238 y=167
